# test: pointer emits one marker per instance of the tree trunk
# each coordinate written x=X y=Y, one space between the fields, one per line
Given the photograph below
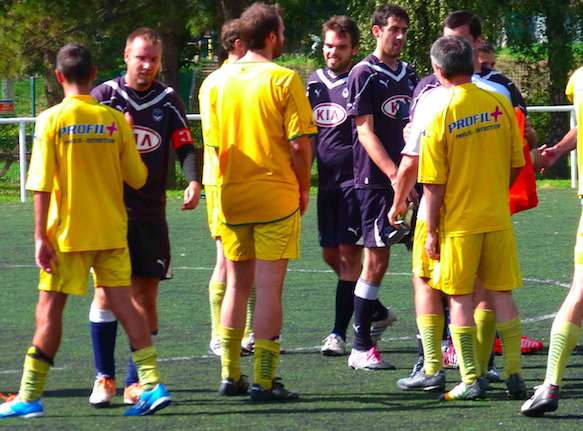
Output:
x=53 y=90
x=232 y=8
x=560 y=59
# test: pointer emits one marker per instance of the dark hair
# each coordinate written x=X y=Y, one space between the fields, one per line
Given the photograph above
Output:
x=454 y=56
x=257 y=22
x=487 y=48
x=343 y=25
x=147 y=33
x=460 y=18
x=75 y=63
x=382 y=14
x=230 y=32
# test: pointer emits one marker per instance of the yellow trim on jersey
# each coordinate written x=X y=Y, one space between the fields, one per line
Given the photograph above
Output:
x=82 y=153
x=471 y=146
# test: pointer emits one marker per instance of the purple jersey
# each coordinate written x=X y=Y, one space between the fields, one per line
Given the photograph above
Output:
x=328 y=96
x=376 y=89
x=487 y=79
x=159 y=121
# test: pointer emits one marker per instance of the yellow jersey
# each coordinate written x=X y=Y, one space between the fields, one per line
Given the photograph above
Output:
x=470 y=146
x=259 y=108
x=210 y=169
x=82 y=153
x=575 y=94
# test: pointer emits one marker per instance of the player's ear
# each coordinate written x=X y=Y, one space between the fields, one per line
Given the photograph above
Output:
x=93 y=74
x=376 y=31
x=60 y=76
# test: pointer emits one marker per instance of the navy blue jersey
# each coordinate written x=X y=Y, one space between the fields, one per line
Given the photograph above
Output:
x=159 y=121
x=488 y=79
x=328 y=96
x=376 y=89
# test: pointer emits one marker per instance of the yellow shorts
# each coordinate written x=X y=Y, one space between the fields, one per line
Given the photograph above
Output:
x=579 y=243
x=265 y=241
x=111 y=268
x=422 y=265
x=490 y=256
x=212 y=209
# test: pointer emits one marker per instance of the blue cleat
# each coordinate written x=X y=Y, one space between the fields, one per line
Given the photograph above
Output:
x=150 y=402
x=20 y=409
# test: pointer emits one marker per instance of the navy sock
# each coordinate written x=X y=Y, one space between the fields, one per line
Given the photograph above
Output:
x=365 y=304
x=344 y=307
x=380 y=311
x=103 y=336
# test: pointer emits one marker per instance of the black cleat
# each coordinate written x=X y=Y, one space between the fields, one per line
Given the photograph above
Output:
x=277 y=393
x=230 y=388
x=515 y=387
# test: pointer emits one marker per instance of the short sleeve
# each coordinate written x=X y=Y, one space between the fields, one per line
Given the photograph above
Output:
x=361 y=93
x=134 y=171
x=570 y=90
x=43 y=162
x=208 y=118
x=433 y=164
x=298 y=119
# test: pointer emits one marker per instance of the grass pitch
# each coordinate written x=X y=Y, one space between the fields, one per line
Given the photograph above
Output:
x=333 y=396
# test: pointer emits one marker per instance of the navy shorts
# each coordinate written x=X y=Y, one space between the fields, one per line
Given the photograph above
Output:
x=374 y=208
x=149 y=249
x=338 y=218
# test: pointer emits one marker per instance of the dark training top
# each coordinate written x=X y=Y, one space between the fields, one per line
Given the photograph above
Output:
x=328 y=96
x=376 y=89
x=159 y=121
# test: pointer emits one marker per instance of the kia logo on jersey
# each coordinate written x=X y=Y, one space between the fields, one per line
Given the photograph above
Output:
x=329 y=114
x=397 y=107
x=147 y=140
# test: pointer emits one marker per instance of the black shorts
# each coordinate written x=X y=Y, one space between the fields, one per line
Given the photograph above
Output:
x=149 y=249
x=338 y=218
x=374 y=208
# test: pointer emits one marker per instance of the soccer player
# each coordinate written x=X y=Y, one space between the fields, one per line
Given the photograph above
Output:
x=487 y=55
x=82 y=150
x=264 y=124
x=231 y=43
x=470 y=153
x=338 y=213
x=467 y=25
x=567 y=324
x=159 y=123
x=380 y=89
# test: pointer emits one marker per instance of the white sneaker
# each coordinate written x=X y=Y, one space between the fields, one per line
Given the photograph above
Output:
x=215 y=348
x=368 y=360
x=103 y=392
x=377 y=327
x=334 y=345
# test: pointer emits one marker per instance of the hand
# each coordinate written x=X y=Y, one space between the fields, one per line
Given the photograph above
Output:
x=191 y=196
x=545 y=157
x=304 y=200
x=432 y=245
x=396 y=212
x=45 y=255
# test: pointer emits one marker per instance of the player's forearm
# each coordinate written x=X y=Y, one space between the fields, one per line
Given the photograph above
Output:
x=301 y=151
x=187 y=158
x=41 y=211
x=434 y=197
x=530 y=135
x=406 y=178
x=513 y=174
x=377 y=153
x=568 y=143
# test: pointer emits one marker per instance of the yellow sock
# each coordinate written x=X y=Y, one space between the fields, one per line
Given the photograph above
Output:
x=564 y=337
x=431 y=331
x=250 y=314
x=510 y=334
x=216 y=295
x=146 y=361
x=231 y=358
x=34 y=376
x=265 y=362
x=464 y=341
x=485 y=334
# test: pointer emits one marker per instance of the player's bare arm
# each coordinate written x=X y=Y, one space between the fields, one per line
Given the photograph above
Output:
x=373 y=146
x=434 y=195
x=547 y=156
x=191 y=196
x=44 y=254
x=403 y=186
x=301 y=150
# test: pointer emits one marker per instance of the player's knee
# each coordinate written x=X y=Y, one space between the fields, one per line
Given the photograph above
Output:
x=331 y=259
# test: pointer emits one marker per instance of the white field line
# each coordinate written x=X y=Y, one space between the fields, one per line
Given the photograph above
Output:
x=301 y=349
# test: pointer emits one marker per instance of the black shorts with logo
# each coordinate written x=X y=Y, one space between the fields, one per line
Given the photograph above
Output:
x=149 y=249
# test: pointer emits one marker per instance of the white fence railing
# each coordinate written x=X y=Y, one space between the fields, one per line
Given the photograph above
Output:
x=22 y=121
